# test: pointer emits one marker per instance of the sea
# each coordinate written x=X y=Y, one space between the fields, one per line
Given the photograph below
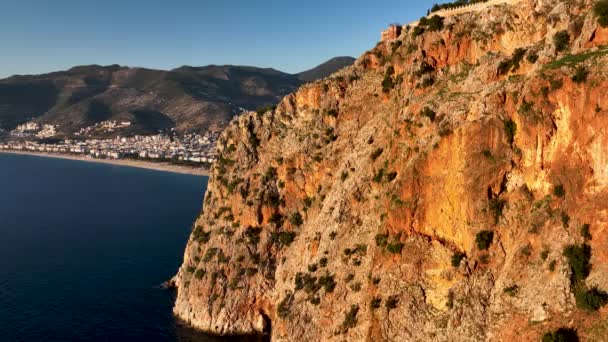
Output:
x=86 y=247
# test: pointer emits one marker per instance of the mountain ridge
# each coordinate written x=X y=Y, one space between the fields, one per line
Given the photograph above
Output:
x=186 y=98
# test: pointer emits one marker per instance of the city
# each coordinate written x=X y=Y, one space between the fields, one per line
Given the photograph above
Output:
x=190 y=149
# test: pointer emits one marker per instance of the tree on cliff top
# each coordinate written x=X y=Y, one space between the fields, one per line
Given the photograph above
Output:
x=601 y=11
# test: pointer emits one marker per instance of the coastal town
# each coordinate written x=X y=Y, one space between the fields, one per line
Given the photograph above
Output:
x=197 y=150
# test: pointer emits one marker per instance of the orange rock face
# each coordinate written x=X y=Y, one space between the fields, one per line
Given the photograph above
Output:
x=427 y=193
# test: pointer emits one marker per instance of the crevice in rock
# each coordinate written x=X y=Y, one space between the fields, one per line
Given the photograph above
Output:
x=267 y=332
x=592 y=36
x=503 y=185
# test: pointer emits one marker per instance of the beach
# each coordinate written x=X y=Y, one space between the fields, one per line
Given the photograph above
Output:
x=166 y=167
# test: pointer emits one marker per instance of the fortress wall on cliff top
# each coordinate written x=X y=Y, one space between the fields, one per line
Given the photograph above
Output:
x=466 y=9
x=472 y=7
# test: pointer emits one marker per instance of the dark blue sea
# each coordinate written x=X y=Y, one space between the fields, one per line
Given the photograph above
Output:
x=84 y=249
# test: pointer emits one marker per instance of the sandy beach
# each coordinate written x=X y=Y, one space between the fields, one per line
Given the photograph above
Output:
x=166 y=167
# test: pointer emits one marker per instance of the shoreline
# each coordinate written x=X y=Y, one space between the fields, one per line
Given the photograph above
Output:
x=164 y=167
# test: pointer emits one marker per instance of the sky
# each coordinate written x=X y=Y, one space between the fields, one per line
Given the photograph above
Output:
x=38 y=36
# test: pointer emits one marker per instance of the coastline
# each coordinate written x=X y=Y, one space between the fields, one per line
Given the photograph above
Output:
x=165 y=167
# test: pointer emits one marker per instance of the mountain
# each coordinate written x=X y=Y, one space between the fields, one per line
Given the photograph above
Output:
x=451 y=185
x=186 y=98
x=325 y=69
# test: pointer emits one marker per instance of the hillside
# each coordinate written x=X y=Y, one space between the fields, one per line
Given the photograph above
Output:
x=187 y=99
x=452 y=185
x=325 y=69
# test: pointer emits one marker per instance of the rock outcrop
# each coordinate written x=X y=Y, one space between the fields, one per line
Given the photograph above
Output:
x=437 y=190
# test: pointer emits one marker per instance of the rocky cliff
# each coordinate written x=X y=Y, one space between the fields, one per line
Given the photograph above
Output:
x=452 y=185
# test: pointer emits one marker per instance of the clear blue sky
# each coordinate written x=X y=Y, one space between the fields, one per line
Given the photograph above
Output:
x=39 y=36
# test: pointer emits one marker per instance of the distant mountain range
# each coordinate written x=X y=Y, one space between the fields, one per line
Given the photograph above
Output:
x=189 y=99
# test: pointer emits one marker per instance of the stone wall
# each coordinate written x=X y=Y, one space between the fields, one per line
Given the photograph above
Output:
x=471 y=8
x=466 y=9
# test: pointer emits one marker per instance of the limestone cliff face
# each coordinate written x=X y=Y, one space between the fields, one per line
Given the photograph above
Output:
x=357 y=210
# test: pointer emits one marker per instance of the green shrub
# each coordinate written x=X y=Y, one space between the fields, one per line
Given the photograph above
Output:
x=434 y=23
x=510 y=128
x=526 y=108
x=552 y=265
x=483 y=239
x=285 y=238
x=561 y=335
x=532 y=57
x=284 y=308
x=544 y=91
x=457 y=258
x=504 y=67
x=378 y=176
x=556 y=84
x=565 y=219
x=544 y=255
x=200 y=273
x=356 y=287
x=526 y=251
x=387 y=83
x=276 y=218
x=327 y=281
x=210 y=253
x=601 y=11
x=395 y=45
x=200 y=235
x=427 y=82
x=512 y=64
x=429 y=113
x=578 y=258
x=496 y=207
x=308 y=201
x=350 y=319
x=561 y=40
x=391 y=302
x=418 y=30
x=296 y=219
x=585 y=232
x=424 y=68
x=253 y=235
x=580 y=75
x=375 y=303
x=511 y=290
x=395 y=247
x=381 y=240
x=333 y=113
x=302 y=280
x=315 y=300
x=376 y=153
x=559 y=191
x=590 y=300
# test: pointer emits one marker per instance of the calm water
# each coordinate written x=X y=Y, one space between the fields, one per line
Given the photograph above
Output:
x=84 y=248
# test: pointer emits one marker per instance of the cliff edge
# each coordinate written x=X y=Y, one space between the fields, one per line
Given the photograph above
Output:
x=452 y=185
